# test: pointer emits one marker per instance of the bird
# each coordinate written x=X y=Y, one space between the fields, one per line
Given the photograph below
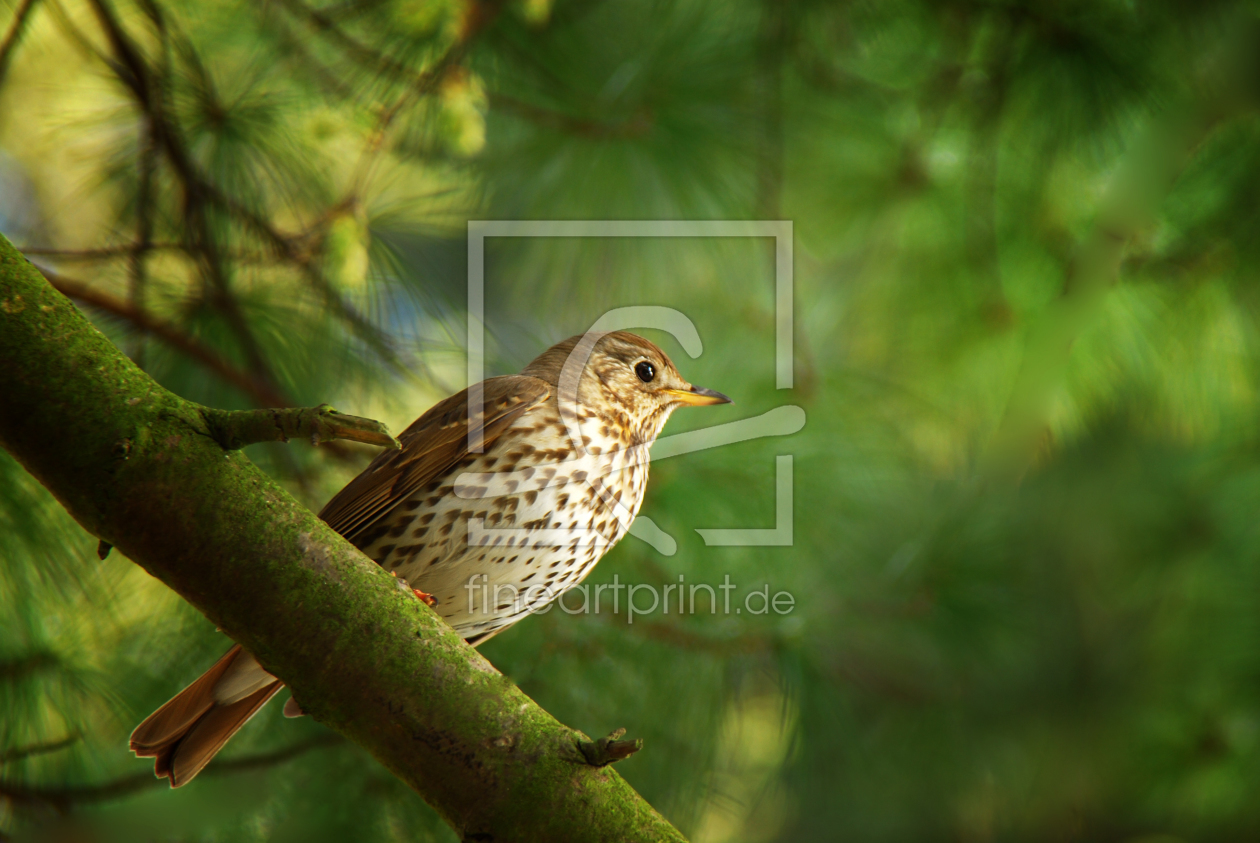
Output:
x=501 y=497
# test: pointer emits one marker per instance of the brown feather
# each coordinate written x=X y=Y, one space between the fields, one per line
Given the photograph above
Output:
x=185 y=758
x=184 y=734
x=433 y=444
x=170 y=722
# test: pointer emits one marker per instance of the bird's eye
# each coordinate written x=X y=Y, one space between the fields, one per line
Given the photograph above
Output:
x=646 y=371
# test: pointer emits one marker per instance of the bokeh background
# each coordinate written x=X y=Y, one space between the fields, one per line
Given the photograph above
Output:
x=1027 y=553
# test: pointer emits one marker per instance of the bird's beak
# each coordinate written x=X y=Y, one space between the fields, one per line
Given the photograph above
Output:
x=697 y=396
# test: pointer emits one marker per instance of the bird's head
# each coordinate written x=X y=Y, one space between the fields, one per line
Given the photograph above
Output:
x=620 y=377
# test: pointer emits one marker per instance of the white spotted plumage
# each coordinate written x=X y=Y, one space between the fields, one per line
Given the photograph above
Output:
x=512 y=529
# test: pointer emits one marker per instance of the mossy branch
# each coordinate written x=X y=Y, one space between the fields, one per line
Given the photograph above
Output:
x=234 y=429
x=139 y=468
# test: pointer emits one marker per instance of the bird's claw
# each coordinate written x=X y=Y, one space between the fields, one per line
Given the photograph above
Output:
x=428 y=599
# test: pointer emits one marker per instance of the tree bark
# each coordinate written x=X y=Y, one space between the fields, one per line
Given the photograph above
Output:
x=141 y=469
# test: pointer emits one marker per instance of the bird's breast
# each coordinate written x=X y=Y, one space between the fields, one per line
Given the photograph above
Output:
x=529 y=518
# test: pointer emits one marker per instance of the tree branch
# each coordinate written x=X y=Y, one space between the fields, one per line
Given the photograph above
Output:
x=134 y=71
x=63 y=799
x=139 y=468
x=287 y=248
x=15 y=670
x=479 y=15
x=361 y=53
x=255 y=388
x=295 y=49
x=14 y=36
x=139 y=277
x=18 y=753
x=261 y=392
x=129 y=250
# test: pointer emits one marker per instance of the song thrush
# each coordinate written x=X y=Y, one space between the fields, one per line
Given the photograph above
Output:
x=490 y=515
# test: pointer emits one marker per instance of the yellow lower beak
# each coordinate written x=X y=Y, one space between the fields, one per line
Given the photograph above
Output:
x=697 y=396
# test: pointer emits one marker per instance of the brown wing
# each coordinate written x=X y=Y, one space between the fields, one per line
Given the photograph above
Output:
x=433 y=445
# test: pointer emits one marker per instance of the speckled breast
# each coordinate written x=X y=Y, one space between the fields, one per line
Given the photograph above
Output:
x=508 y=531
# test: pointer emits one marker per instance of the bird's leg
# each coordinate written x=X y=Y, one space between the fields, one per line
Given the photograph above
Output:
x=428 y=599
x=234 y=429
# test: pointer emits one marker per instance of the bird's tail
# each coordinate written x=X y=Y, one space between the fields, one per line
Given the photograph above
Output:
x=188 y=731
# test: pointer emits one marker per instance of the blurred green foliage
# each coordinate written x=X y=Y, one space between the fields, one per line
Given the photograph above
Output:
x=1026 y=547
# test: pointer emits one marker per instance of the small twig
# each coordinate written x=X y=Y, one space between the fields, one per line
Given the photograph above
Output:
x=17 y=669
x=14 y=36
x=234 y=429
x=481 y=14
x=133 y=70
x=609 y=750
x=62 y=799
x=37 y=749
x=361 y=53
x=268 y=759
x=144 y=230
x=296 y=50
x=261 y=392
x=66 y=23
x=127 y=250
x=200 y=191
x=148 y=163
x=200 y=195
x=287 y=247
